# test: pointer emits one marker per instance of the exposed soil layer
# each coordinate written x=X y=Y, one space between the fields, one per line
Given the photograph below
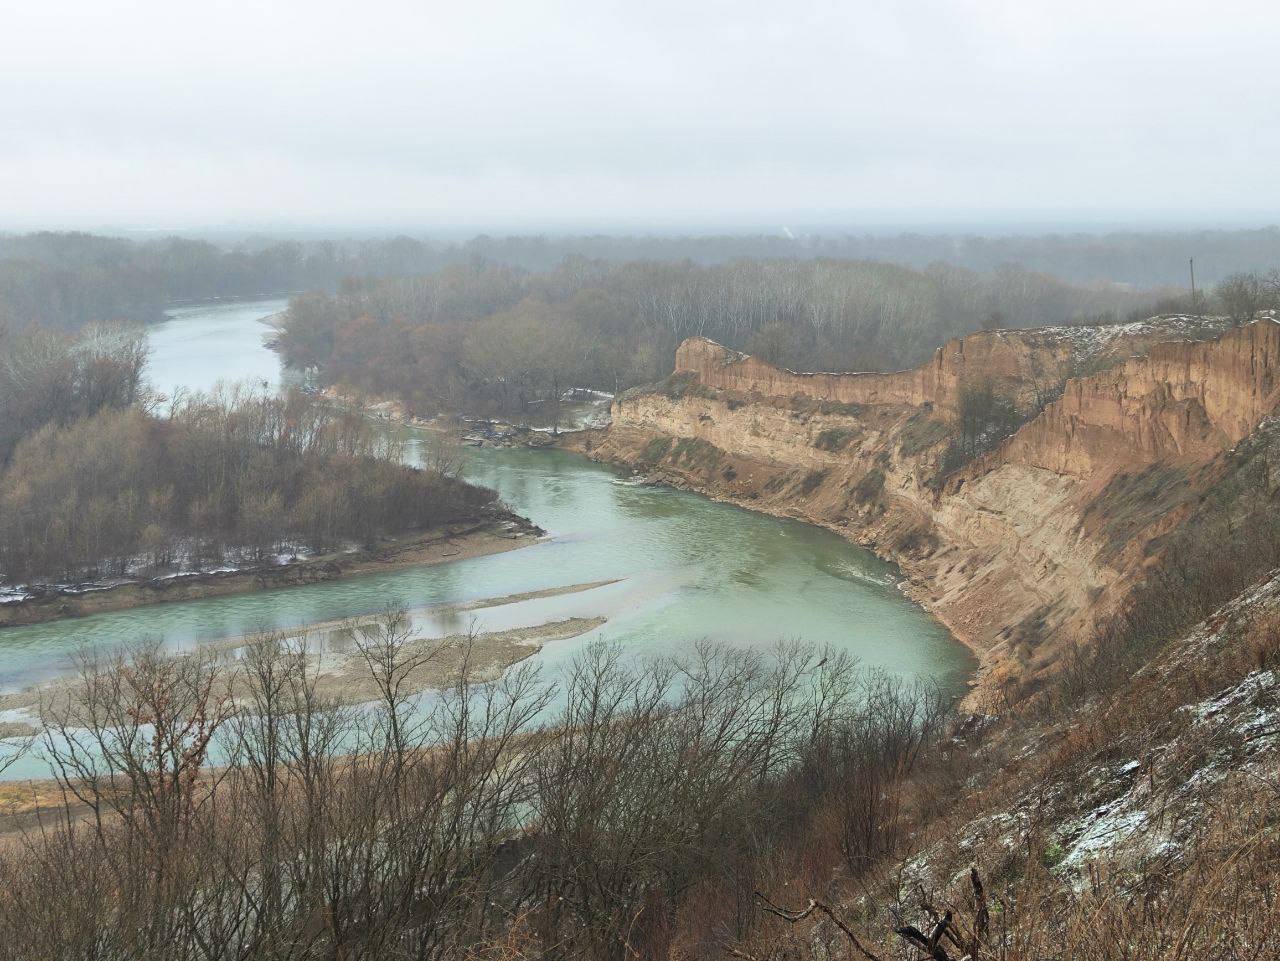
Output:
x=1019 y=553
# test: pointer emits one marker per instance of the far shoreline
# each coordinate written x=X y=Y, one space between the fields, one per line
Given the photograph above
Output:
x=494 y=532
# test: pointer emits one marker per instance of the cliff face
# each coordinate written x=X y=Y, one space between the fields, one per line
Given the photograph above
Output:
x=1016 y=362
x=1009 y=359
x=1019 y=552
x=1182 y=400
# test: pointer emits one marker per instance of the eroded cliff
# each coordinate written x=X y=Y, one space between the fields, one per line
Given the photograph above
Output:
x=1021 y=551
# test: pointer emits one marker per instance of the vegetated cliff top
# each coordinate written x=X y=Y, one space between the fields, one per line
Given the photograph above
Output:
x=1139 y=760
x=1136 y=820
x=1167 y=388
x=1016 y=360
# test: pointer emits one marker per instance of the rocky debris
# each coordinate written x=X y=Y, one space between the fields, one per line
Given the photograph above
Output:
x=495 y=433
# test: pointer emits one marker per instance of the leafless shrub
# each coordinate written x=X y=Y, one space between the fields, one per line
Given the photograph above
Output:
x=631 y=811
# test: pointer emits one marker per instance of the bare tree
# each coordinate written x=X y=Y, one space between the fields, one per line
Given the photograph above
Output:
x=1242 y=296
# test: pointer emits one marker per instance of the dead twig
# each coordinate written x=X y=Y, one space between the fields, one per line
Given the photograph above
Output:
x=814 y=905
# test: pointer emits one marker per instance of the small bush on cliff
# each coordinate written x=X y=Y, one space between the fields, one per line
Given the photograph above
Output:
x=869 y=488
x=696 y=452
x=811 y=482
x=985 y=419
x=917 y=541
x=681 y=384
x=834 y=439
x=655 y=450
x=805 y=404
x=953 y=458
x=920 y=433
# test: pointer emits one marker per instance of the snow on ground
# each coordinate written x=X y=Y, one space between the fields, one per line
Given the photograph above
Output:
x=1233 y=732
x=585 y=393
x=1150 y=804
x=18 y=715
x=1090 y=341
x=140 y=569
x=1106 y=828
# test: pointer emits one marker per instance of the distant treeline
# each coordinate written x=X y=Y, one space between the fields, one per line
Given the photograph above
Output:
x=478 y=335
x=64 y=280
x=92 y=482
x=1138 y=258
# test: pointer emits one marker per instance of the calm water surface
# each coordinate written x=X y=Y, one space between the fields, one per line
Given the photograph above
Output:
x=688 y=568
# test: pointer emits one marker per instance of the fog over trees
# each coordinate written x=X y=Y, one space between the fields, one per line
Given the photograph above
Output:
x=92 y=479
x=54 y=378
x=64 y=280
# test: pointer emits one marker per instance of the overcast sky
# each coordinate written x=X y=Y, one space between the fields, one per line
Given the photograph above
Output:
x=552 y=114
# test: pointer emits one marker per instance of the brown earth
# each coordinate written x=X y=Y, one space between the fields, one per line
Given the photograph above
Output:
x=1021 y=552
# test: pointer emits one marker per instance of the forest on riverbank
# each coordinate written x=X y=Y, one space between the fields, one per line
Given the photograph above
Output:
x=94 y=481
x=497 y=338
x=65 y=280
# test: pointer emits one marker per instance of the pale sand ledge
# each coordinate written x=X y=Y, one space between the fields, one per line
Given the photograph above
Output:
x=460 y=607
x=339 y=672
x=341 y=675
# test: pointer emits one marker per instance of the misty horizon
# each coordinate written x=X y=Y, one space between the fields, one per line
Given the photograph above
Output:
x=787 y=228
x=721 y=117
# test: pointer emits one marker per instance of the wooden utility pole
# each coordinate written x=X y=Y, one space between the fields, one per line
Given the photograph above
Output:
x=1193 y=287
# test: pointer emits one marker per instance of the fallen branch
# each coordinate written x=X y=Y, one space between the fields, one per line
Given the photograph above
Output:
x=929 y=943
x=795 y=916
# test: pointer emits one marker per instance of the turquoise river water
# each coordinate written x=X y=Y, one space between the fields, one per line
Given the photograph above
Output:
x=687 y=568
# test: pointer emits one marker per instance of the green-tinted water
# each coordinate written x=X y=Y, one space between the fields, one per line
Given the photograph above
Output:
x=689 y=568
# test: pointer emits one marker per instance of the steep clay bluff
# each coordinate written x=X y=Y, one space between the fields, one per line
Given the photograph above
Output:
x=1016 y=362
x=1020 y=552
x=1182 y=400
x=1008 y=361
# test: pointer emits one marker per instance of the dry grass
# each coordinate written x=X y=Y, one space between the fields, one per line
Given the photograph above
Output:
x=1190 y=744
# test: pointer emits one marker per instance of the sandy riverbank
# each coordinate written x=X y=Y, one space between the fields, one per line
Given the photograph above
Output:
x=340 y=674
x=334 y=659
x=339 y=670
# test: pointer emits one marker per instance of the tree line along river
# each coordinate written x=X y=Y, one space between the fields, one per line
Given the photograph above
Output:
x=684 y=567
